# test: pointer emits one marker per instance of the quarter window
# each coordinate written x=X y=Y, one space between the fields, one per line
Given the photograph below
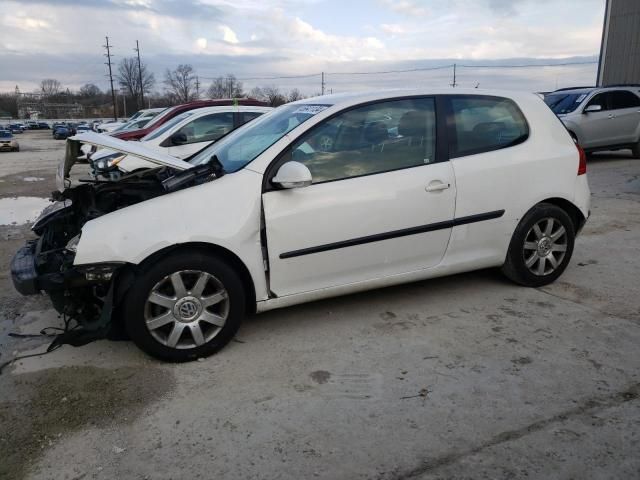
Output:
x=482 y=124
x=208 y=128
x=371 y=139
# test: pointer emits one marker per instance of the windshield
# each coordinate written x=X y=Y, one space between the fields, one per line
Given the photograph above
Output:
x=5 y=134
x=243 y=145
x=167 y=126
x=561 y=103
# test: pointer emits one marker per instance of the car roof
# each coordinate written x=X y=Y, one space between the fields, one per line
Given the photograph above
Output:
x=225 y=108
x=354 y=98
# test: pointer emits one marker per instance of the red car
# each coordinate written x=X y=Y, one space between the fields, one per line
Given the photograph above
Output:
x=171 y=112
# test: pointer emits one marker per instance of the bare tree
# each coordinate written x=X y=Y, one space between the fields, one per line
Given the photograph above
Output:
x=89 y=90
x=257 y=93
x=50 y=86
x=294 y=95
x=181 y=83
x=225 y=87
x=272 y=95
x=129 y=78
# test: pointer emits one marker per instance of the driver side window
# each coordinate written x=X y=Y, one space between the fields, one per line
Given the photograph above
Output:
x=208 y=128
x=600 y=99
x=371 y=139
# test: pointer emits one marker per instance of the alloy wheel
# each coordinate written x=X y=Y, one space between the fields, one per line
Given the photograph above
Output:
x=186 y=309
x=545 y=246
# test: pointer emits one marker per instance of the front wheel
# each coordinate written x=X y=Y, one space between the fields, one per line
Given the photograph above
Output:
x=183 y=307
x=541 y=246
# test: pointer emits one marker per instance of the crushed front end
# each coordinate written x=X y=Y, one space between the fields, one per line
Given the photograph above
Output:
x=88 y=293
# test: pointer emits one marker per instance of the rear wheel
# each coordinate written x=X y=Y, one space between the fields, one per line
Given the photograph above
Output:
x=541 y=246
x=635 y=150
x=183 y=307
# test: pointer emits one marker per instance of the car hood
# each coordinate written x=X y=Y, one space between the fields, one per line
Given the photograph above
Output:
x=135 y=149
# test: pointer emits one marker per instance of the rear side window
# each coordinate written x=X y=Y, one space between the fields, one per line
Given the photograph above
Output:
x=620 y=99
x=481 y=124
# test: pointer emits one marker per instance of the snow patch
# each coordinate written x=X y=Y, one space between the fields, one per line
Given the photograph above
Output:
x=20 y=210
x=33 y=179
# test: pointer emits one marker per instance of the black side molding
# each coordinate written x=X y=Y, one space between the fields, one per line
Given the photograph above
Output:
x=480 y=217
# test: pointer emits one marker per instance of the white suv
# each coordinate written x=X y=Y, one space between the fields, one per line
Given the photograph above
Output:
x=600 y=118
x=414 y=185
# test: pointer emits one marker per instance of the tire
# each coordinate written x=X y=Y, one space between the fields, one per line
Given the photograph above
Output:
x=167 y=327
x=535 y=267
x=635 y=150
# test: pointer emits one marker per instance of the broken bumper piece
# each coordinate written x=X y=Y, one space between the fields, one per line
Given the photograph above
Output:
x=28 y=281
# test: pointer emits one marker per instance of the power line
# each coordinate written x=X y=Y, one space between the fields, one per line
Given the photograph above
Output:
x=531 y=65
x=408 y=70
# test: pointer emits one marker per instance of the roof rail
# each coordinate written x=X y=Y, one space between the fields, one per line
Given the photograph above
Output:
x=622 y=85
x=573 y=88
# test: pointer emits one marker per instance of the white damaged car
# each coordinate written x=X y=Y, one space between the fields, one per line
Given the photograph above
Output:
x=414 y=185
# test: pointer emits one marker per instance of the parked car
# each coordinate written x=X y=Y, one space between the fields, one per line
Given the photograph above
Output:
x=416 y=184
x=600 y=118
x=62 y=133
x=147 y=114
x=172 y=112
x=83 y=128
x=8 y=141
x=132 y=125
x=180 y=137
x=15 y=128
x=43 y=126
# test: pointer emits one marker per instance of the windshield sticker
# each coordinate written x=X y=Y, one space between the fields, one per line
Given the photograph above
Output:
x=311 y=109
x=581 y=97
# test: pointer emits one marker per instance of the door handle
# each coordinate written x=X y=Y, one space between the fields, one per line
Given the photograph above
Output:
x=437 y=186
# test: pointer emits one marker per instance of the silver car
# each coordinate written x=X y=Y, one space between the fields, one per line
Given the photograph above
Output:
x=600 y=118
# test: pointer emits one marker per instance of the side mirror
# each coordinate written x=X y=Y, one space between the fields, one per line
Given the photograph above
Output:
x=292 y=175
x=593 y=108
x=179 y=139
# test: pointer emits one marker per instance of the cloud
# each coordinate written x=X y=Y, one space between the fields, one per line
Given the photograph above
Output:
x=392 y=28
x=409 y=8
x=228 y=35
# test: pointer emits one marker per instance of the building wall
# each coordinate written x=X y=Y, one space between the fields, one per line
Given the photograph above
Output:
x=620 y=53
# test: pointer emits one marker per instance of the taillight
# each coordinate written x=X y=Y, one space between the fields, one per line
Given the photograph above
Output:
x=582 y=164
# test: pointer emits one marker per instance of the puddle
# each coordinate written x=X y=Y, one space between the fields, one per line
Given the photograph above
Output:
x=33 y=179
x=19 y=210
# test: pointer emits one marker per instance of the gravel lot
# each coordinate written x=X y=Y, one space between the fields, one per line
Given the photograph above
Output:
x=462 y=377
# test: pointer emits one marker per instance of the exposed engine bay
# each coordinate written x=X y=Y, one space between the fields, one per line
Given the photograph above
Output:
x=85 y=293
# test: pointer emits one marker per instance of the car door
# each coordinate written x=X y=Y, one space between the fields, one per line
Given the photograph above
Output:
x=380 y=204
x=199 y=133
x=625 y=115
x=596 y=127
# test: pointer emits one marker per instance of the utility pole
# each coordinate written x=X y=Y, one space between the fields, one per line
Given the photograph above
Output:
x=197 y=88
x=454 y=84
x=137 y=49
x=113 y=93
x=322 y=83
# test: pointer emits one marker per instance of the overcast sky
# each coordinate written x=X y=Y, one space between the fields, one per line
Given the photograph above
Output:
x=260 y=38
